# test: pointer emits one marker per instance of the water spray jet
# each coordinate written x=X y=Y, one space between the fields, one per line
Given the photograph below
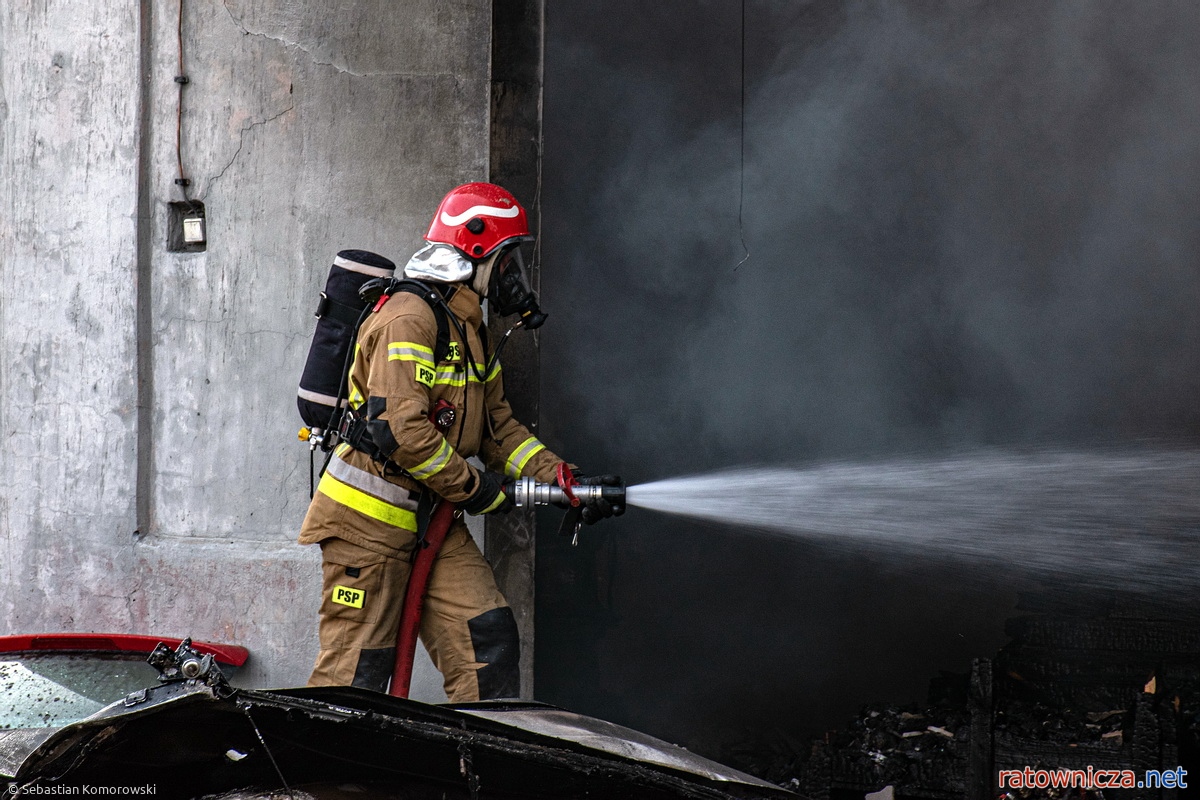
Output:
x=1110 y=518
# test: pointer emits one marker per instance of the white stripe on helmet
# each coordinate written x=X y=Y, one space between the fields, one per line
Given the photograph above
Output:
x=480 y=211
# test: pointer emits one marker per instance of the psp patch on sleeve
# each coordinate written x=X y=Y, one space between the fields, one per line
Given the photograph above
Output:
x=425 y=375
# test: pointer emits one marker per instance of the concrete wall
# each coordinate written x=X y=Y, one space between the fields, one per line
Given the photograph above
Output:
x=150 y=476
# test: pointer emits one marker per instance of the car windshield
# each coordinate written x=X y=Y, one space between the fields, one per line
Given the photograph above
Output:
x=41 y=691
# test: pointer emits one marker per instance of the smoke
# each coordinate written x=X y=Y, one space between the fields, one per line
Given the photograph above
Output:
x=969 y=225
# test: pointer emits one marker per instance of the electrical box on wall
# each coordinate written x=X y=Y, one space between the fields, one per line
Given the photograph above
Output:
x=187 y=227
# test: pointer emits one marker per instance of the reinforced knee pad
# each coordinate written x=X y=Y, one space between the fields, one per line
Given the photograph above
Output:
x=497 y=643
x=374 y=669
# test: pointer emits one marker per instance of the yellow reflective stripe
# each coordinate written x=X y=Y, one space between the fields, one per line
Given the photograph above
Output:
x=373 y=485
x=411 y=351
x=356 y=396
x=434 y=464
x=500 y=498
x=520 y=457
x=495 y=373
x=449 y=377
x=453 y=376
x=342 y=449
x=365 y=504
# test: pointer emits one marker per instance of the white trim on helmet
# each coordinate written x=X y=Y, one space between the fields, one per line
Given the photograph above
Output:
x=480 y=211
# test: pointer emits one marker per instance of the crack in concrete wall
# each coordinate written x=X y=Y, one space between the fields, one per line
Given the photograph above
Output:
x=242 y=141
x=343 y=68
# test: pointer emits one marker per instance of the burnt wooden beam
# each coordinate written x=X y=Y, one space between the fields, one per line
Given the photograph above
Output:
x=981 y=767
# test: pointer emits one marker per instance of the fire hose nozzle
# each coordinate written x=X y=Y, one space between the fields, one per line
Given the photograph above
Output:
x=527 y=493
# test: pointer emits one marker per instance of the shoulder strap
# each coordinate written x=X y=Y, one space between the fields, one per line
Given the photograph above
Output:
x=427 y=293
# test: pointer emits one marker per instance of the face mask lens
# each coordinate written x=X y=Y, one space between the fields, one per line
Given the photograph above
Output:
x=512 y=262
x=510 y=292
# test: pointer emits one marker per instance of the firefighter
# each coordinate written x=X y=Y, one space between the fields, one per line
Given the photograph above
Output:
x=366 y=511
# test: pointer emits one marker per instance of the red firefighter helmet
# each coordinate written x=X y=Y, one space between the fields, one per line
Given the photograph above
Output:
x=477 y=218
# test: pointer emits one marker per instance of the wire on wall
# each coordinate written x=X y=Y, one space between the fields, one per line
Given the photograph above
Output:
x=181 y=78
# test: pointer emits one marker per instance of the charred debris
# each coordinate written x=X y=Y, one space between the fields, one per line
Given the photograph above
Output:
x=1114 y=687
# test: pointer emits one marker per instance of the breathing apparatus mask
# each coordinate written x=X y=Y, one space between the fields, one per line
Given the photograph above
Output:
x=508 y=290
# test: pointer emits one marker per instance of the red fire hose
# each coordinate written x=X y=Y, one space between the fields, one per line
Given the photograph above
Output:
x=442 y=416
x=414 y=597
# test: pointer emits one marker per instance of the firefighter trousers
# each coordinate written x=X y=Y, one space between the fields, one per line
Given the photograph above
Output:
x=466 y=625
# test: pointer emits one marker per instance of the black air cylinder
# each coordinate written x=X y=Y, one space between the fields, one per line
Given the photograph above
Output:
x=337 y=314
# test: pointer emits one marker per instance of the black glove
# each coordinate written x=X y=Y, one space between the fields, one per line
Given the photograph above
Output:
x=600 y=508
x=489 y=496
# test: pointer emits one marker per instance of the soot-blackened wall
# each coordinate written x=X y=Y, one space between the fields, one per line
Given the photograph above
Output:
x=968 y=225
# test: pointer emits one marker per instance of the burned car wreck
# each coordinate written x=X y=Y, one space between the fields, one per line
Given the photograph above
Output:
x=194 y=735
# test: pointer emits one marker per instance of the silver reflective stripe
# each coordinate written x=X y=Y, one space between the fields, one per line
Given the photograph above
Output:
x=406 y=351
x=434 y=464
x=371 y=484
x=317 y=397
x=354 y=266
x=520 y=457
